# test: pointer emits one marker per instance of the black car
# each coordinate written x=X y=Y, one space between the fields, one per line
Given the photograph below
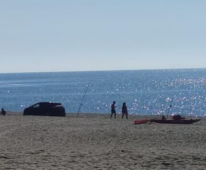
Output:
x=45 y=109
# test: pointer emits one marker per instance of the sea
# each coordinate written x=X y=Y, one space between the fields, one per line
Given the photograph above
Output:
x=146 y=92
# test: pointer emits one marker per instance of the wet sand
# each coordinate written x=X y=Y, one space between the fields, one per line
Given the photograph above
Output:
x=92 y=141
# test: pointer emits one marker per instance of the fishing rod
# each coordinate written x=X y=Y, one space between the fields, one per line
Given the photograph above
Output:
x=83 y=98
x=168 y=111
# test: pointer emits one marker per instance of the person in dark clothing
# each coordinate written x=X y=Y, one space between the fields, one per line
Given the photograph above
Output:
x=3 y=112
x=113 y=110
x=124 y=110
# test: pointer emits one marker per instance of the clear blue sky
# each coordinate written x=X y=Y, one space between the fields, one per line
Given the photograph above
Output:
x=82 y=35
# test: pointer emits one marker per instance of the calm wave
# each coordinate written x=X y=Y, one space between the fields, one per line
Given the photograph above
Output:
x=144 y=91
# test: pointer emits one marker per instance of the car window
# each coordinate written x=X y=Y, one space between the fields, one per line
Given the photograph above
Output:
x=36 y=106
x=57 y=106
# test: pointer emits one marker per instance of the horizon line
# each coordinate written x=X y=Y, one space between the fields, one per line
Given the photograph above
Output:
x=101 y=70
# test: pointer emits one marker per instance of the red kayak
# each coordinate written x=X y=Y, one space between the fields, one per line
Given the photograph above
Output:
x=137 y=122
x=172 y=121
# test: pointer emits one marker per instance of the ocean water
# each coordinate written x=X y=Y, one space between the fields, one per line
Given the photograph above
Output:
x=146 y=92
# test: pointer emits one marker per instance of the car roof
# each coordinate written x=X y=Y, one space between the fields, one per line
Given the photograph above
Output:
x=49 y=103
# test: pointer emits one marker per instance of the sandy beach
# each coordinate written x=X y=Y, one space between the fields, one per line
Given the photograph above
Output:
x=92 y=141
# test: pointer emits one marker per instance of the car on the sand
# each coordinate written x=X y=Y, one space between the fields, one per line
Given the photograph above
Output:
x=45 y=109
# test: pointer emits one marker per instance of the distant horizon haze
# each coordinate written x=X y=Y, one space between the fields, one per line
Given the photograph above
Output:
x=63 y=71
x=59 y=36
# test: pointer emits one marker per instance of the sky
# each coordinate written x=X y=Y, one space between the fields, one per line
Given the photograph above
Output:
x=93 y=35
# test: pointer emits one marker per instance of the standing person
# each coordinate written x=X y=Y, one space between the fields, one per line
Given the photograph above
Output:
x=113 y=109
x=3 y=112
x=124 y=110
